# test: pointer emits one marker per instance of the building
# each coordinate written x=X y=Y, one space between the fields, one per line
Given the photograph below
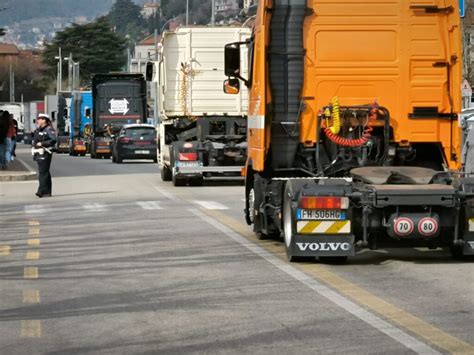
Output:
x=144 y=51
x=468 y=42
x=226 y=7
x=9 y=53
x=151 y=9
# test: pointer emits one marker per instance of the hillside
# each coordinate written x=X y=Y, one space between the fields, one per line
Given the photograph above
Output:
x=22 y=10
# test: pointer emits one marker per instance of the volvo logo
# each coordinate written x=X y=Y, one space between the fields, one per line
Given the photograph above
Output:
x=324 y=246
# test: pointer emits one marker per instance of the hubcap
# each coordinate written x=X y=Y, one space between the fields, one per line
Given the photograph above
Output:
x=287 y=223
x=252 y=205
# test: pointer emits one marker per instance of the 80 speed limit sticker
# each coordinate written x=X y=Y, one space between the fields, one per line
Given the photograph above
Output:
x=428 y=226
x=403 y=226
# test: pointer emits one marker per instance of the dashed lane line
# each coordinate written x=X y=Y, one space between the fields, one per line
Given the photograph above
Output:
x=34 y=231
x=5 y=250
x=349 y=292
x=32 y=255
x=34 y=242
x=31 y=296
x=33 y=223
x=31 y=329
x=30 y=273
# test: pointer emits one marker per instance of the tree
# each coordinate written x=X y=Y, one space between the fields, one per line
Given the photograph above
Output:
x=126 y=18
x=95 y=45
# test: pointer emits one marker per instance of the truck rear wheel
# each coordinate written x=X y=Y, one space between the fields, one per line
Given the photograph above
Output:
x=166 y=173
x=289 y=228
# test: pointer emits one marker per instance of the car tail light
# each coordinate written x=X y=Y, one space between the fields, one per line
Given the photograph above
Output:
x=125 y=140
x=188 y=156
x=324 y=203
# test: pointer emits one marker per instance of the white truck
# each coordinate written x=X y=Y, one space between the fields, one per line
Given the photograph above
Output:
x=202 y=131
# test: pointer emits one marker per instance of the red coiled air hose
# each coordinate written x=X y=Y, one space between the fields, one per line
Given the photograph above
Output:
x=345 y=142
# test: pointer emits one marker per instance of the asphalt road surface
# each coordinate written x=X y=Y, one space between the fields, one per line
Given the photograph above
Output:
x=119 y=262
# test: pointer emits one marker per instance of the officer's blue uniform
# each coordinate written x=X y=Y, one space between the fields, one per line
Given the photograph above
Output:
x=47 y=137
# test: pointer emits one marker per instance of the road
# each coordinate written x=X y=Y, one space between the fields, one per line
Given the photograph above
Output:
x=119 y=262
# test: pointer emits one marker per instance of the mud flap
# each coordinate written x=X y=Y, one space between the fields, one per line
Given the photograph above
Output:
x=322 y=245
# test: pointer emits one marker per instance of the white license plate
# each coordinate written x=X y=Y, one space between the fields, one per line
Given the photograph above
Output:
x=320 y=215
x=188 y=164
x=142 y=152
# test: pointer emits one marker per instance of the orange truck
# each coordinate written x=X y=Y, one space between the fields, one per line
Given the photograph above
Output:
x=353 y=135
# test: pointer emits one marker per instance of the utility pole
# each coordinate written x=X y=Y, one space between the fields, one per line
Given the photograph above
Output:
x=213 y=16
x=70 y=67
x=187 y=13
x=60 y=71
x=77 y=70
x=12 y=83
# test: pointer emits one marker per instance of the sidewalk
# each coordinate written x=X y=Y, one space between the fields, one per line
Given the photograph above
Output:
x=18 y=170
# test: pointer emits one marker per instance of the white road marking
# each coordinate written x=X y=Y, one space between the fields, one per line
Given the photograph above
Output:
x=149 y=205
x=94 y=207
x=211 y=205
x=168 y=195
x=345 y=303
x=32 y=209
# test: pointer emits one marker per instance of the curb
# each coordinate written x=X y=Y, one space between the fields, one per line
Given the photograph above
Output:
x=26 y=176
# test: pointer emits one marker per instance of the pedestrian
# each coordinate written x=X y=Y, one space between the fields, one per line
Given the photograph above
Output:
x=3 y=140
x=11 y=137
x=15 y=137
x=43 y=143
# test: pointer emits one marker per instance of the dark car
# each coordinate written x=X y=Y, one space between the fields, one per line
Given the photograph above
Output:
x=135 y=141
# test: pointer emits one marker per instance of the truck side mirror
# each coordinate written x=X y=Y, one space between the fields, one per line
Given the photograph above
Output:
x=149 y=71
x=232 y=86
x=232 y=60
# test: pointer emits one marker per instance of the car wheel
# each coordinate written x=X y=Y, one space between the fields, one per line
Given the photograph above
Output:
x=114 y=160
x=155 y=160
x=119 y=159
x=166 y=174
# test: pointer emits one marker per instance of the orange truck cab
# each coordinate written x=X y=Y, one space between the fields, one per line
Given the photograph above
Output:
x=353 y=134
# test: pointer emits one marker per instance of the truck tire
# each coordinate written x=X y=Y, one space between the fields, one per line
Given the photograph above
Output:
x=166 y=173
x=289 y=228
x=178 y=181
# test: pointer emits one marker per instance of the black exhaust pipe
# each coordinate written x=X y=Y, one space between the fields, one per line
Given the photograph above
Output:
x=286 y=66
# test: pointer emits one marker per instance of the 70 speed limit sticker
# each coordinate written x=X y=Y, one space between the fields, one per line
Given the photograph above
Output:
x=403 y=226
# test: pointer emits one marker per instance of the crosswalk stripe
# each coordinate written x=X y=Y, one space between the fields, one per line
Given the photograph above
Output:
x=211 y=205
x=149 y=205
x=94 y=207
x=32 y=209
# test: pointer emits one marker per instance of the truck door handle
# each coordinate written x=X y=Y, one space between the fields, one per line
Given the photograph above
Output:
x=433 y=9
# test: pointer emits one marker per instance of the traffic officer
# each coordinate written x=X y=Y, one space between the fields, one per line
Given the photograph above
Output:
x=43 y=144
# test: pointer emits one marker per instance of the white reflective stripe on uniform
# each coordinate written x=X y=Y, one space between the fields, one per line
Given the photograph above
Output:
x=256 y=122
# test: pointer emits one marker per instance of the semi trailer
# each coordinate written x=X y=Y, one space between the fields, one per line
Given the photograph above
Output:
x=202 y=131
x=81 y=123
x=117 y=99
x=353 y=134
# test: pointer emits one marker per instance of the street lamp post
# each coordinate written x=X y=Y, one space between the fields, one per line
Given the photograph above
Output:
x=60 y=71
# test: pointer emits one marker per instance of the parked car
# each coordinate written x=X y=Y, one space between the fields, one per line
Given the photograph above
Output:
x=134 y=142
